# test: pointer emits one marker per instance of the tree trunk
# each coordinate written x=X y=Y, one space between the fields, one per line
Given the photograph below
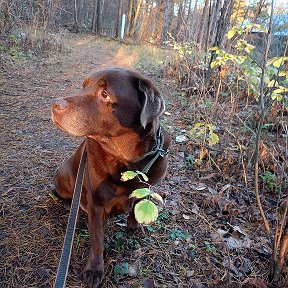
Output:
x=119 y=19
x=136 y=17
x=208 y=29
x=215 y=16
x=202 y=21
x=77 y=26
x=143 y=25
x=222 y=26
x=165 y=22
x=96 y=16
x=160 y=22
x=129 y=18
x=179 y=19
x=192 y=22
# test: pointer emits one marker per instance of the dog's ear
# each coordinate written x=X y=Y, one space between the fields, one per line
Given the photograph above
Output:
x=152 y=103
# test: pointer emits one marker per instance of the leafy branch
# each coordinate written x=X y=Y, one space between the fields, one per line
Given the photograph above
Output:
x=145 y=210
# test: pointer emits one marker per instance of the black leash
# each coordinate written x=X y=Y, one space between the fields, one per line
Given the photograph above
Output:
x=70 y=230
x=156 y=151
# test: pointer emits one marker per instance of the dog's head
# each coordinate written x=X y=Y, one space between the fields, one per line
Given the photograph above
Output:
x=111 y=100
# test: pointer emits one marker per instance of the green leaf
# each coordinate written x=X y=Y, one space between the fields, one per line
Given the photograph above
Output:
x=199 y=124
x=53 y=197
x=128 y=175
x=144 y=176
x=280 y=90
x=214 y=138
x=214 y=49
x=157 y=197
x=272 y=83
x=121 y=269
x=140 y=193
x=263 y=29
x=179 y=234
x=277 y=97
x=277 y=61
x=146 y=212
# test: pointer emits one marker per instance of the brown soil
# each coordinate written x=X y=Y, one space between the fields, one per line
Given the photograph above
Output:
x=181 y=250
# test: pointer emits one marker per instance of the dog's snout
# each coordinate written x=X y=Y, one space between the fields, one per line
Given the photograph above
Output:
x=59 y=104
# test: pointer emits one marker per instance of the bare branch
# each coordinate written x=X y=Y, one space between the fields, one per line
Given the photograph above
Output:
x=260 y=124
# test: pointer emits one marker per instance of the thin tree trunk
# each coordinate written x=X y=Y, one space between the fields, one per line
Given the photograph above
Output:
x=216 y=16
x=189 y=10
x=208 y=28
x=93 y=28
x=129 y=18
x=145 y=17
x=202 y=21
x=160 y=23
x=260 y=124
x=222 y=25
x=136 y=17
x=165 y=22
x=119 y=19
x=179 y=19
x=76 y=16
x=96 y=16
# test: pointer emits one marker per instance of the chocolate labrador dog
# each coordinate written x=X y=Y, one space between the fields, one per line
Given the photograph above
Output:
x=118 y=114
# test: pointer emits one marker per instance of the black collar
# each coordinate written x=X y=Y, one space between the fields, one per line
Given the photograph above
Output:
x=156 y=151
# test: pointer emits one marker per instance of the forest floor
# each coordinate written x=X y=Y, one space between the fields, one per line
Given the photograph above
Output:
x=184 y=248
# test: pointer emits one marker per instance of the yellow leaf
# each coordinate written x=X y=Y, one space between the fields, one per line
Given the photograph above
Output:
x=231 y=32
x=157 y=197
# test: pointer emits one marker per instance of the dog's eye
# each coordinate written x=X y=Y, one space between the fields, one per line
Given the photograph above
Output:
x=105 y=94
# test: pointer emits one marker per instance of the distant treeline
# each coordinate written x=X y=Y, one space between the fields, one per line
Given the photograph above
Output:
x=156 y=21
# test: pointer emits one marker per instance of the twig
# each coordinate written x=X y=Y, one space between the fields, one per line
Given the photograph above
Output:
x=242 y=158
x=260 y=124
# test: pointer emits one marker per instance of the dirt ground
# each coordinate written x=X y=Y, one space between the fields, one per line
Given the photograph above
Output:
x=183 y=249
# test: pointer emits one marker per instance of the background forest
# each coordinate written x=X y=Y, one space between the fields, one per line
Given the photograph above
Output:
x=222 y=67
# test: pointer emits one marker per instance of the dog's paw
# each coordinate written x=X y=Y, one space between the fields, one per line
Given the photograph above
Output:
x=93 y=278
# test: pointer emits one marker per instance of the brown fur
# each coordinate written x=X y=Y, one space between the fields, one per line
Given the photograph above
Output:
x=117 y=111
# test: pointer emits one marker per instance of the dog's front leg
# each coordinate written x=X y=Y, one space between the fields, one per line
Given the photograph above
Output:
x=94 y=271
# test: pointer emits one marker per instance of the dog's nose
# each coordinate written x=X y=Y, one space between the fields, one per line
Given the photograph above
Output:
x=59 y=104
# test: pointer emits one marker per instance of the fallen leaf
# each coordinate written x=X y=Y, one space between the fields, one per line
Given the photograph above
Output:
x=200 y=187
x=190 y=273
x=212 y=191
x=195 y=209
x=148 y=283
x=234 y=239
x=133 y=269
x=225 y=187
x=229 y=264
x=181 y=138
x=203 y=153
x=176 y=242
x=254 y=283
x=186 y=217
